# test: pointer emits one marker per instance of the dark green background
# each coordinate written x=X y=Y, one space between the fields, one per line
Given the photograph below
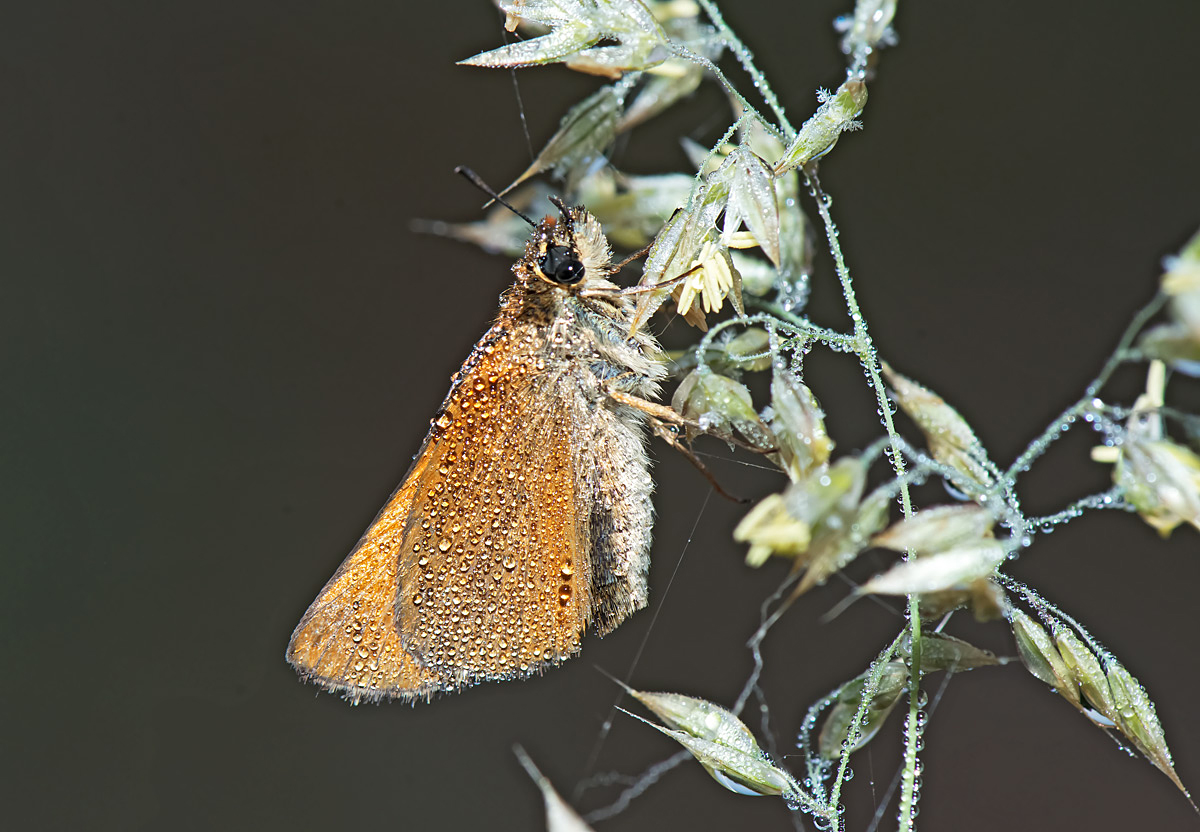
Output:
x=221 y=344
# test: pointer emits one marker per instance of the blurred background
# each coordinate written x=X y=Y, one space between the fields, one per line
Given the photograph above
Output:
x=221 y=345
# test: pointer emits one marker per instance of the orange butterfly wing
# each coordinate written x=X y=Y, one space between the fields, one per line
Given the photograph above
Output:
x=347 y=641
x=478 y=567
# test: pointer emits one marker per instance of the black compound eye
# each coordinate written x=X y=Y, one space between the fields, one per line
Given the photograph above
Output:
x=561 y=265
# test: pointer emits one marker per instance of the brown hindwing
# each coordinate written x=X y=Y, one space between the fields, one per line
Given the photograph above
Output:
x=478 y=566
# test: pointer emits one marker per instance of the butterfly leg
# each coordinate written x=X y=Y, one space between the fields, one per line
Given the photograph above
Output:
x=673 y=417
x=658 y=411
x=665 y=423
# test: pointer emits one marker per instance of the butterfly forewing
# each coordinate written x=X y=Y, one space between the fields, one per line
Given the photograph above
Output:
x=478 y=565
x=494 y=559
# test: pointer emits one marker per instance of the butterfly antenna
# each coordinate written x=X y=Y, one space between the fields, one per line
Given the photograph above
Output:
x=562 y=208
x=476 y=180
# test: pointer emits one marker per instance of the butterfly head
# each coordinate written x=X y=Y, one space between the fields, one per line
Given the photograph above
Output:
x=568 y=251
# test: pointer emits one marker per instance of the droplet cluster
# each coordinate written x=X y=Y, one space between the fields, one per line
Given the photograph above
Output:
x=490 y=553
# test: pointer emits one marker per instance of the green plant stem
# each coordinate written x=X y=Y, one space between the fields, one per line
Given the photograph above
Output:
x=912 y=727
x=870 y=688
x=831 y=337
x=870 y=361
x=1086 y=402
x=1121 y=353
x=681 y=51
x=863 y=345
x=746 y=59
x=1110 y=499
